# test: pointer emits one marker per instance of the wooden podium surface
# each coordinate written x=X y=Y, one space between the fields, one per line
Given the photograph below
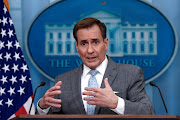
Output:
x=97 y=117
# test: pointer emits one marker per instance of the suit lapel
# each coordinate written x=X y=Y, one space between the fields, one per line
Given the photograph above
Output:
x=76 y=89
x=111 y=74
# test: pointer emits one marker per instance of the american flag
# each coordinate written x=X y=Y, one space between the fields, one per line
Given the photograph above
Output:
x=15 y=82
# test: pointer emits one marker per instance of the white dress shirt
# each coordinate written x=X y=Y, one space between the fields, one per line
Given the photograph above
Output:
x=84 y=83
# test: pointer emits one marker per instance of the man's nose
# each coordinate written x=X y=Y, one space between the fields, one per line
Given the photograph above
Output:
x=90 y=49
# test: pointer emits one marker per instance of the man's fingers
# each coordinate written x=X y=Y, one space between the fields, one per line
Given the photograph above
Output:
x=54 y=105
x=91 y=103
x=89 y=93
x=54 y=93
x=53 y=100
x=58 y=83
x=90 y=98
x=91 y=89
x=54 y=88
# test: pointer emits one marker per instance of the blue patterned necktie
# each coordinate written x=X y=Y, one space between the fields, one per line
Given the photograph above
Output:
x=92 y=83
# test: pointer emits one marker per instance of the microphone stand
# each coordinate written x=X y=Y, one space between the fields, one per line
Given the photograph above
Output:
x=153 y=84
x=41 y=84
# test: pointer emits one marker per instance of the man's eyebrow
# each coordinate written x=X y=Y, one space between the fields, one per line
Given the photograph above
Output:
x=94 y=39
x=82 y=41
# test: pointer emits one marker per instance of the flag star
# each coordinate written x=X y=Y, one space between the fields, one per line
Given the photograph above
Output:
x=4 y=21
x=17 y=45
x=5 y=9
x=10 y=33
x=8 y=56
x=6 y=68
x=2 y=91
x=9 y=44
x=10 y=21
x=9 y=102
x=11 y=91
x=4 y=79
x=3 y=32
x=23 y=79
x=1 y=45
x=15 y=68
x=16 y=56
x=24 y=67
x=13 y=79
x=1 y=56
x=21 y=90
x=1 y=102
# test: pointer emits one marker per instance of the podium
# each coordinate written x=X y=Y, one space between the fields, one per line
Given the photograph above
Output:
x=97 y=117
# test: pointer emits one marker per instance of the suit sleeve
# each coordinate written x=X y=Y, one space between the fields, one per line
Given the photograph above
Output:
x=138 y=102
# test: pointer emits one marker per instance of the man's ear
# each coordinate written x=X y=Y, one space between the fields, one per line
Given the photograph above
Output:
x=76 y=45
x=106 y=41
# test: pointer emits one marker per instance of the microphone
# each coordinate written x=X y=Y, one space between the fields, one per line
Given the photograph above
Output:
x=41 y=84
x=153 y=84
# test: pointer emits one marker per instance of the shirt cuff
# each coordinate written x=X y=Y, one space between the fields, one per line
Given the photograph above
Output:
x=120 y=107
x=42 y=111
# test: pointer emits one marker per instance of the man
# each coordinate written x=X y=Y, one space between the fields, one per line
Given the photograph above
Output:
x=119 y=88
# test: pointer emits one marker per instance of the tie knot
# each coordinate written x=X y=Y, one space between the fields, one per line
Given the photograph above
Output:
x=93 y=72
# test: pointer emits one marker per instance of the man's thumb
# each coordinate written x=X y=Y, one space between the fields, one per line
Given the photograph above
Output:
x=106 y=83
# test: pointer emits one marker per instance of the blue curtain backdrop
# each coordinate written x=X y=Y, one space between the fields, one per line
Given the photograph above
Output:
x=24 y=11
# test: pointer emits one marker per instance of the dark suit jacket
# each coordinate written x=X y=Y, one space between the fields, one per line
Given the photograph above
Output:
x=128 y=80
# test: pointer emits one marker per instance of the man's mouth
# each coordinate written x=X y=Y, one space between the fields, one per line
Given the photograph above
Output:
x=91 y=58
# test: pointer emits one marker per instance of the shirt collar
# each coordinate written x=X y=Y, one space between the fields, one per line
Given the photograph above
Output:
x=101 y=68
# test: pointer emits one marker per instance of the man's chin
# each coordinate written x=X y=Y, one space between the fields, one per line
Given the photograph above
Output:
x=92 y=65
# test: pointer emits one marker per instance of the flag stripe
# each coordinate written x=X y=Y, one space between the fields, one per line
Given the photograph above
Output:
x=21 y=110
x=28 y=104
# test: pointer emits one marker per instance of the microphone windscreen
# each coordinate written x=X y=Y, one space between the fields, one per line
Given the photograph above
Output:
x=42 y=83
x=152 y=84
